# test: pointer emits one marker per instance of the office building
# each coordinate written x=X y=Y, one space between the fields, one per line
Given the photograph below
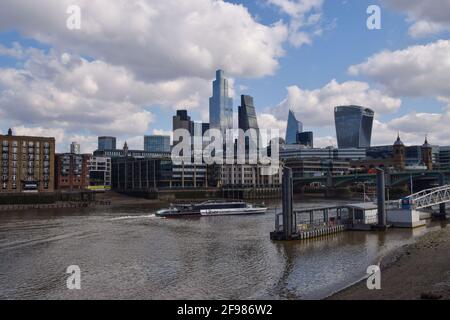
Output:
x=248 y=176
x=353 y=126
x=129 y=174
x=126 y=152
x=106 y=143
x=301 y=152
x=444 y=158
x=247 y=114
x=72 y=171
x=305 y=139
x=100 y=173
x=75 y=148
x=28 y=163
x=221 y=104
x=294 y=127
x=205 y=128
x=157 y=143
x=182 y=121
x=316 y=167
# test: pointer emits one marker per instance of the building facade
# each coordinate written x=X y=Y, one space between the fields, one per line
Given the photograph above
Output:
x=306 y=139
x=444 y=158
x=157 y=143
x=301 y=152
x=107 y=143
x=221 y=104
x=247 y=114
x=28 y=164
x=316 y=167
x=248 y=176
x=75 y=148
x=125 y=152
x=129 y=174
x=353 y=126
x=72 y=171
x=100 y=173
x=294 y=127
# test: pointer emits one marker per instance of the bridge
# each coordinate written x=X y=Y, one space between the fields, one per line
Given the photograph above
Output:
x=392 y=179
x=427 y=198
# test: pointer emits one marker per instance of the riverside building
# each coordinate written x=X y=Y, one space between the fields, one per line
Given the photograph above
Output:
x=28 y=163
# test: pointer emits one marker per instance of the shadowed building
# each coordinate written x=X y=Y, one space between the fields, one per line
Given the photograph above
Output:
x=247 y=114
x=353 y=126
x=306 y=139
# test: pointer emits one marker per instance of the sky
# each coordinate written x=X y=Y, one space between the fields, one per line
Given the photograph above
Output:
x=133 y=63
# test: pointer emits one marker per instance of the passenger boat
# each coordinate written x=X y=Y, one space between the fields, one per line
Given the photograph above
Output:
x=211 y=208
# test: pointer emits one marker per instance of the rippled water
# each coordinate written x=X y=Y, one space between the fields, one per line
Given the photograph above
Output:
x=128 y=253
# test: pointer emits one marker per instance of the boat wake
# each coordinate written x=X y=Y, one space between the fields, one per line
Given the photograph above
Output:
x=150 y=216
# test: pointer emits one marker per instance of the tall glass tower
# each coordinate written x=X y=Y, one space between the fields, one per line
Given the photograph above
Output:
x=294 y=127
x=247 y=114
x=221 y=104
x=353 y=126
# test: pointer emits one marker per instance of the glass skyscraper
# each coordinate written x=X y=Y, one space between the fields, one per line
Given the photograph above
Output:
x=353 y=126
x=221 y=104
x=106 y=143
x=157 y=143
x=294 y=127
x=247 y=114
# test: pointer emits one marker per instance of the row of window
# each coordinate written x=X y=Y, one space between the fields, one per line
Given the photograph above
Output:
x=30 y=144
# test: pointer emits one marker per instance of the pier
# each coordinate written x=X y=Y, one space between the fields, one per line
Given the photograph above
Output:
x=409 y=212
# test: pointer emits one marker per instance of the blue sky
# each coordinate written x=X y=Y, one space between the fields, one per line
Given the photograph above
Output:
x=60 y=82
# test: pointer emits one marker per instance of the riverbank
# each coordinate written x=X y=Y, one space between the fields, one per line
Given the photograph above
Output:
x=413 y=272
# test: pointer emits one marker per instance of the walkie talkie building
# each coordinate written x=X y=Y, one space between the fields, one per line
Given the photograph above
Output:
x=353 y=126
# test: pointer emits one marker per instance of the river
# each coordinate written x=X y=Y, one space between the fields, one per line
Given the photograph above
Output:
x=128 y=253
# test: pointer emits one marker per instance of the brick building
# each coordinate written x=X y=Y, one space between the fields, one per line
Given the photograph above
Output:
x=72 y=171
x=27 y=163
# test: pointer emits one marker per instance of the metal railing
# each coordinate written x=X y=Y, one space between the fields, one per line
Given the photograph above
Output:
x=428 y=198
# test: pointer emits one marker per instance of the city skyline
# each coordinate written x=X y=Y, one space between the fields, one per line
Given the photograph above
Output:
x=283 y=56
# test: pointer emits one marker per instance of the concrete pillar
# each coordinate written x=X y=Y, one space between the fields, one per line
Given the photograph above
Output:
x=287 y=203
x=381 y=191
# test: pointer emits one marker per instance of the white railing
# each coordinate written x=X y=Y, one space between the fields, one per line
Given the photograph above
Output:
x=429 y=197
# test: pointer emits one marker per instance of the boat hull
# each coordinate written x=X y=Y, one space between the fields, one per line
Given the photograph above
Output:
x=233 y=212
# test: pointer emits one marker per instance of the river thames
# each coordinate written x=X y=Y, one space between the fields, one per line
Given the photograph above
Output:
x=128 y=253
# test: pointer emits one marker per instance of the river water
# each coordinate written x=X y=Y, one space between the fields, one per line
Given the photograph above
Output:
x=128 y=253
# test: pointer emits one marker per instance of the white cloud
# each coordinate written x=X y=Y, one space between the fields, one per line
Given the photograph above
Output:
x=316 y=107
x=16 y=51
x=427 y=17
x=422 y=70
x=156 y=40
x=305 y=19
x=84 y=97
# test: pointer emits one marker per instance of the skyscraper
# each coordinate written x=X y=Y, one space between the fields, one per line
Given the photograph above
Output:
x=247 y=114
x=106 y=143
x=182 y=121
x=306 y=139
x=221 y=104
x=75 y=148
x=353 y=126
x=157 y=143
x=294 y=127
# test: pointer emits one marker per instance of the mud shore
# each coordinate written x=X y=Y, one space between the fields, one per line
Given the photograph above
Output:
x=413 y=272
